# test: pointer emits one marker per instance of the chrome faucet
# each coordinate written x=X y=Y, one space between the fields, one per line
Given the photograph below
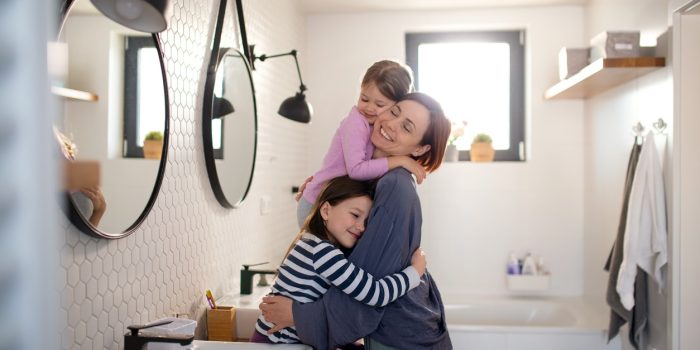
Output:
x=247 y=277
x=134 y=341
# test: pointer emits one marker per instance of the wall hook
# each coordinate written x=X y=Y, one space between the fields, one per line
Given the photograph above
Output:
x=660 y=125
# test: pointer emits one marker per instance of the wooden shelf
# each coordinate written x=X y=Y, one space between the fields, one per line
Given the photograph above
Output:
x=602 y=75
x=73 y=94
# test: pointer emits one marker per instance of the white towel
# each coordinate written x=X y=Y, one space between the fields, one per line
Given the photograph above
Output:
x=645 y=234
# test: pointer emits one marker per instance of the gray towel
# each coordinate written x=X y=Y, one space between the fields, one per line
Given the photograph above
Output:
x=639 y=315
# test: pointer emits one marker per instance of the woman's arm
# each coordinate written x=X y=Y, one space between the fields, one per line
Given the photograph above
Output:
x=330 y=263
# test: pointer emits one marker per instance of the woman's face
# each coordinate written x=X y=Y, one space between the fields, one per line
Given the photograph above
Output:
x=399 y=130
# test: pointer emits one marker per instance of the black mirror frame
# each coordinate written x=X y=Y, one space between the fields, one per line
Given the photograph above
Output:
x=217 y=55
x=74 y=215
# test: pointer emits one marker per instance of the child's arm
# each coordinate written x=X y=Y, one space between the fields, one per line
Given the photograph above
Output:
x=330 y=263
x=354 y=135
x=409 y=164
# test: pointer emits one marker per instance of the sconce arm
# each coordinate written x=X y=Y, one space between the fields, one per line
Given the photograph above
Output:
x=264 y=57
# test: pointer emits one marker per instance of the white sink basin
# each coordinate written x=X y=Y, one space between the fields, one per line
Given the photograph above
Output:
x=217 y=345
x=238 y=300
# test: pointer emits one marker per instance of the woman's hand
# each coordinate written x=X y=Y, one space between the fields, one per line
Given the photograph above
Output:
x=278 y=311
x=409 y=164
x=298 y=195
x=418 y=261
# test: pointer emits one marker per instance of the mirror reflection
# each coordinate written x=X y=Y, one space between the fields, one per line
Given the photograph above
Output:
x=123 y=129
x=233 y=128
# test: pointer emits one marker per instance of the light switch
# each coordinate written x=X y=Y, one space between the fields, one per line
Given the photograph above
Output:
x=265 y=205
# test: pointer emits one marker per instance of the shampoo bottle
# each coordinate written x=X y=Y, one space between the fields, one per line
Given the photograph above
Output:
x=513 y=268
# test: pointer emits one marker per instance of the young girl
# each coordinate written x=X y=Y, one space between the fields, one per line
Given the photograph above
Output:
x=350 y=152
x=314 y=262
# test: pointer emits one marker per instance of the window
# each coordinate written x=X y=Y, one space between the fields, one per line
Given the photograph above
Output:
x=479 y=78
x=143 y=94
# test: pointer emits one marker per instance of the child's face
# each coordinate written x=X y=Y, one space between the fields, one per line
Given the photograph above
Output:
x=345 y=221
x=372 y=103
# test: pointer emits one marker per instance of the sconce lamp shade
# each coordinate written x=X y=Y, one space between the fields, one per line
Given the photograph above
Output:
x=221 y=107
x=143 y=15
x=296 y=108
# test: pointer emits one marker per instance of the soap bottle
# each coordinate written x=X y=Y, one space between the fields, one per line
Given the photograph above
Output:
x=529 y=265
x=513 y=268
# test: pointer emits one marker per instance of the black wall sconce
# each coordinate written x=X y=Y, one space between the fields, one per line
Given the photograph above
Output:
x=295 y=108
x=149 y=16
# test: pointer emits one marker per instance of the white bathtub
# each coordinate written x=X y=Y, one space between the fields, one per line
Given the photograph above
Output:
x=527 y=323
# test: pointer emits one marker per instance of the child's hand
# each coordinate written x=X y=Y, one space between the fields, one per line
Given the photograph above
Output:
x=409 y=164
x=416 y=169
x=418 y=261
x=298 y=195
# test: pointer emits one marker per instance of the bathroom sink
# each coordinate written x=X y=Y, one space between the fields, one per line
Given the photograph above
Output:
x=217 y=345
x=238 y=300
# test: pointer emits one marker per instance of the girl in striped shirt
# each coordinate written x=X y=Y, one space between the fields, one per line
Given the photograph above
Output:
x=315 y=261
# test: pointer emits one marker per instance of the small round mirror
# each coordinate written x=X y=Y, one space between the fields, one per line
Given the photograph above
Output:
x=230 y=127
x=120 y=127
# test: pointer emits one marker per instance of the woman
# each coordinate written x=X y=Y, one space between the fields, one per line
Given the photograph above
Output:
x=415 y=126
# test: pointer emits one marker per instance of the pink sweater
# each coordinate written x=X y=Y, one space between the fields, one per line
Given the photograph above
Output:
x=350 y=154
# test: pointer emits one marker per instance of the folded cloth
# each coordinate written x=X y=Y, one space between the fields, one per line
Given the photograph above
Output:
x=638 y=316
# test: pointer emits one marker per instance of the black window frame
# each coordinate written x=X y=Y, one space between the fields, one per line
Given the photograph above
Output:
x=516 y=40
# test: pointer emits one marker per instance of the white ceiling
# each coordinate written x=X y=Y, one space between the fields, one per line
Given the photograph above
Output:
x=324 y=6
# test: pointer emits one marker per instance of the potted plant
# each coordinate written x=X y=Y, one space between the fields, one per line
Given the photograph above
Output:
x=153 y=145
x=451 y=152
x=482 y=148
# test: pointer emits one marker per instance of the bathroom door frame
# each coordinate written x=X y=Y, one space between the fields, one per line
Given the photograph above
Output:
x=685 y=223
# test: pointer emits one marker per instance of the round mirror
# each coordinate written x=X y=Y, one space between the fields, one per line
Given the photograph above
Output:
x=113 y=120
x=230 y=127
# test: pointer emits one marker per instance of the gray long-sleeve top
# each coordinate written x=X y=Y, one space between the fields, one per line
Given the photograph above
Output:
x=415 y=321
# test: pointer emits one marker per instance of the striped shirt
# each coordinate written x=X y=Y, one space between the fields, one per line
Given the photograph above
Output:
x=314 y=265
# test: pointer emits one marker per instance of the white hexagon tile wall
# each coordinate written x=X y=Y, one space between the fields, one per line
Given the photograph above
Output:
x=189 y=243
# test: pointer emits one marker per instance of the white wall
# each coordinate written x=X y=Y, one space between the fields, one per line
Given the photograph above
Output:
x=608 y=141
x=686 y=182
x=189 y=243
x=474 y=214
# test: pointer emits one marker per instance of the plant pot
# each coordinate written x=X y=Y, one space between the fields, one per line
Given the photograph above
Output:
x=482 y=152
x=152 y=149
x=451 y=153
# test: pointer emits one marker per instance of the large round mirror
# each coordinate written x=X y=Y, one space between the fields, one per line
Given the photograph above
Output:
x=113 y=98
x=230 y=127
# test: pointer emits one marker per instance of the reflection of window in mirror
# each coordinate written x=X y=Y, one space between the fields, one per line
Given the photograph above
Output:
x=217 y=123
x=144 y=103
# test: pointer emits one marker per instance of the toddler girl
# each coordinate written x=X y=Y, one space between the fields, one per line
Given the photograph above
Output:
x=350 y=152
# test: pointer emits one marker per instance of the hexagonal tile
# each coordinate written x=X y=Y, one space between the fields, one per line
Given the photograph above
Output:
x=79 y=293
